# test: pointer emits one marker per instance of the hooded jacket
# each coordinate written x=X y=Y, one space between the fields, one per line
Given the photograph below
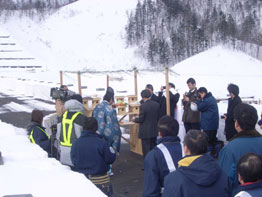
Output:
x=155 y=165
x=209 y=112
x=72 y=106
x=197 y=176
x=91 y=155
x=39 y=136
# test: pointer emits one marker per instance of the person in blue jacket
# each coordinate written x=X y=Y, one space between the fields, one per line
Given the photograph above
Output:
x=207 y=105
x=249 y=169
x=163 y=158
x=198 y=173
x=36 y=132
x=92 y=156
x=247 y=140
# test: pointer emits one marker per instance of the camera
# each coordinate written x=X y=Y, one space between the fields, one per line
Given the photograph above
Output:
x=59 y=93
x=223 y=116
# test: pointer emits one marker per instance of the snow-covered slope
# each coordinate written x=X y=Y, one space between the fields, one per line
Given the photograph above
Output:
x=85 y=34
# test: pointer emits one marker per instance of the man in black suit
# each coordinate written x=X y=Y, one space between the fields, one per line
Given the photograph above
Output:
x=148 y=117
x=233 y=101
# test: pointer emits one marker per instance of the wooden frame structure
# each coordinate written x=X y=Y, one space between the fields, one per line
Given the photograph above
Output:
x=133 y=109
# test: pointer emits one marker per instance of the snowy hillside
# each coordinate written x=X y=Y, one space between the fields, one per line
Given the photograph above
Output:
x=217 y=67
x=85 y=34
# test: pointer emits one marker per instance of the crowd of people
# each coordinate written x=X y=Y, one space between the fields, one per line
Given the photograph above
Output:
x=197 y=165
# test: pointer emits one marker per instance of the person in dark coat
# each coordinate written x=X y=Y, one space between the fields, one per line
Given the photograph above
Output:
x=92 y=156
x=249 y=169
x=153 y=96
x=198 y=173
x=234 y=99
x=147 y=119
x=37 y=133
x=247 y=140
x=174 y=98
x=191 y=119
x=207 y=105
x=163 y=158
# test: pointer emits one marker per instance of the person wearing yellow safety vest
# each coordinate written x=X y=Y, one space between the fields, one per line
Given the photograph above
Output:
x=36 y=132
x=70 y=127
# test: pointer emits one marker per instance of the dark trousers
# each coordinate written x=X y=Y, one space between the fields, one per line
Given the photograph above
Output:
x=103 y=183
x=147 y=145
x=212 y=137
x=189 y=126
x=212 y=141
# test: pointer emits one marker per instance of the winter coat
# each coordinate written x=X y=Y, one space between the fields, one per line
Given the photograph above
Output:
x=155 y=165
x=173 y=103
x=41 y=138
x=72 y=106
x=91 y=154
x=250 y=189
x=153 y=97
x=108 y=125
x=230 y=130
x=202 y=177
x=244 y=142
x=190 y=116
x=209 y=113
x=147 y=119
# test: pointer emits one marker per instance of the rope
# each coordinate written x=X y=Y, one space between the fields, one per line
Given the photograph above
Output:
x=122 y=71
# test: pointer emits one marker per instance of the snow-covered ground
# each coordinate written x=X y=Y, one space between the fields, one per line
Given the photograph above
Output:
x=28 y=170
x=90 y=35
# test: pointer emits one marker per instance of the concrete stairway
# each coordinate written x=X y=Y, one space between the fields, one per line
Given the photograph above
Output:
x=14 y=56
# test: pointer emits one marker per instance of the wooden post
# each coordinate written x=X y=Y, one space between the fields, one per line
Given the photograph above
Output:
x=167 y=94
x=107 y=81
x=135 y=79
x=61 y=77
x=79 y=82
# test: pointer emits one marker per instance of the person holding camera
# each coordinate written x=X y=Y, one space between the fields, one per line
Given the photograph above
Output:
x=61 y=95
x=173 y=96
x=191 y=118
x=207 y=105
x=69 y=127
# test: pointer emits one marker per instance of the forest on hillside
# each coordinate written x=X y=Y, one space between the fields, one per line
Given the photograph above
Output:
x=169 y=31
x=32 y=4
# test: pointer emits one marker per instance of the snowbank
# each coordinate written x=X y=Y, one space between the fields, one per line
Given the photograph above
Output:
x=27 y=169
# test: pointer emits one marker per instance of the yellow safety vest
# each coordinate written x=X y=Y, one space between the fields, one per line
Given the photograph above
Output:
x=32 y=132
x=66 y=140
